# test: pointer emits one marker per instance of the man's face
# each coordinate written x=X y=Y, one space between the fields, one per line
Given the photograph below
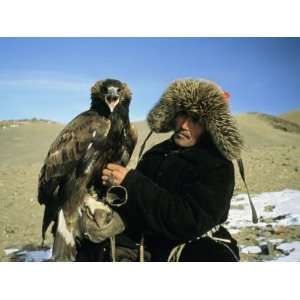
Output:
x=187 y=131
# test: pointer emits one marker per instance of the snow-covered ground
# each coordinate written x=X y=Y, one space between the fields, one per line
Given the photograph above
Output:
x=274 y=209
x=30 y=256
x=284 y=209
x=293 y=252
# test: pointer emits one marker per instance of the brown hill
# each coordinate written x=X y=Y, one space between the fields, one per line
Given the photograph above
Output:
x=292 y=116
x=260 y=130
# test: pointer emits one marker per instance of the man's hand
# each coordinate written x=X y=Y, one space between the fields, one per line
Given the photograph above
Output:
x=113 y=174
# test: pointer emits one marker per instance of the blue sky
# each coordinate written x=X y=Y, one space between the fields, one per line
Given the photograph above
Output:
x=50 y=78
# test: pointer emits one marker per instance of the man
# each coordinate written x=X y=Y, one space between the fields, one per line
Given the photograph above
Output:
x=179 y=194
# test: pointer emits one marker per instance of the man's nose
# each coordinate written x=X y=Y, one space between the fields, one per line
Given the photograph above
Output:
x=185 y=124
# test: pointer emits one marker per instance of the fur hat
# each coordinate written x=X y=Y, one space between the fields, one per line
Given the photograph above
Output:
x=204 y=99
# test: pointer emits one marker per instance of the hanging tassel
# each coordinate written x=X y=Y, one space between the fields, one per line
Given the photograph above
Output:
x=113 y=248
x=242 y=172
x=141 y=250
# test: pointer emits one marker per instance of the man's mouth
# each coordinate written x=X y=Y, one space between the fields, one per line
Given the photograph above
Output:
x=182 y=134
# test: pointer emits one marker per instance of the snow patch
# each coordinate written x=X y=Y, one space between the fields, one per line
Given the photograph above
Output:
x=288 y=247
x=35 y=256
x=29 y=256
x=251 y=250
x=10 y=251
x=286 y=210
x=293 y=248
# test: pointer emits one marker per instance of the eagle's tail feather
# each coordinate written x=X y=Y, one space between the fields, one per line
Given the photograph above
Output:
x=50 y=214
x=64 y=248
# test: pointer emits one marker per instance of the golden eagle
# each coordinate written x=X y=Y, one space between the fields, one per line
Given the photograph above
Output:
x=70 y=179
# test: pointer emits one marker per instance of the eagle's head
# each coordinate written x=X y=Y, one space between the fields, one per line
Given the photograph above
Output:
x=112 y=92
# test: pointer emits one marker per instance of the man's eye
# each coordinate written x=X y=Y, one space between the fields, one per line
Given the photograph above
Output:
x=194 y=119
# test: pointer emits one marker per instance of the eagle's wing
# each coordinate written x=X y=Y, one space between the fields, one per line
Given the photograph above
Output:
x=67 y=149
x=131 y=137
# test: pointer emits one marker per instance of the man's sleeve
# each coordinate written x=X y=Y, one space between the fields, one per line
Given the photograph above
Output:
x=178 y=218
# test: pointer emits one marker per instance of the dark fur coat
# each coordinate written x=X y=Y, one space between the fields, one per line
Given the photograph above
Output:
x=175 y=196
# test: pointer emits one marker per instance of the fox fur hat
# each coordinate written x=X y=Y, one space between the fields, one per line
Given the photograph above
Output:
x=205 y=100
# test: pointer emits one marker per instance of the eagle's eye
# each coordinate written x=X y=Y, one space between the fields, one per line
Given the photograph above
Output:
x=104 y=89
x=119 y=90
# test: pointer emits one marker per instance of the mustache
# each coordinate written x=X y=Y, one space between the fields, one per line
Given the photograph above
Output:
x=182 y=131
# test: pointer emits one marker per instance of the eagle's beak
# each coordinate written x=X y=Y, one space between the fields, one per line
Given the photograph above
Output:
x=112 y=103
x=112 y=98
